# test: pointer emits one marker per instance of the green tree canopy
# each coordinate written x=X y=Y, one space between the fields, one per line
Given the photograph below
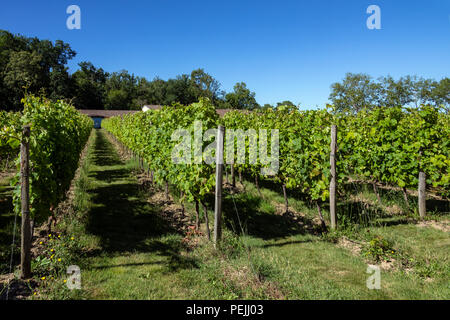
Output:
x=89 y=86
x=286 y=103
x=359 y=91
x=241 y=97
x=203 y=85
x=32 y=63
x=121 y=88
x=354 y=93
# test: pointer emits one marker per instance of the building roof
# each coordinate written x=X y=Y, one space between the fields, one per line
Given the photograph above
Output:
x=113 y=113
x=105 y=113
x=221 y=112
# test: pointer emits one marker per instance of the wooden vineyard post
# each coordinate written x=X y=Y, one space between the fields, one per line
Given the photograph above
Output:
x=257 y=185
x=286 y=203
x=197 y=215
x=205 y=212
x=233 y=176
x=218 y=194
x=25 y=253
x=166 y=190
x=422 y=195
x=333 y=148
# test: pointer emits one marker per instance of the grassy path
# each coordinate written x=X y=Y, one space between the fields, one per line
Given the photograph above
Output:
x=135 y=254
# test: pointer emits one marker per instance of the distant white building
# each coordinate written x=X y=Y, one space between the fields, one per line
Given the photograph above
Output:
x=150 y=107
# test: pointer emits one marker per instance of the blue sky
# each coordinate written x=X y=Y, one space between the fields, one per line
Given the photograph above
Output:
x=283 y=50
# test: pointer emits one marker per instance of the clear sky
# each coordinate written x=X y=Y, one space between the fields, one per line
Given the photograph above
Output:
x=283 y=50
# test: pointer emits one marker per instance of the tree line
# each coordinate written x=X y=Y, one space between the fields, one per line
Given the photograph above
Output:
x=34 y=65
x=40 y=66
x=358 y=91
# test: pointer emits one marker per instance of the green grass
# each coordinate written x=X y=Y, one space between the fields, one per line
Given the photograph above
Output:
x=309 y=268
x=131 y=252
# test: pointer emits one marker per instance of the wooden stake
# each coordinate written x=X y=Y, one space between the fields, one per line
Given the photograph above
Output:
x=31 y=229
x=375 y=190
x=197 y=216
x=233 y=176
x=405 y=197
x=183 y=209
x=422 y=195
x=25 y=253
x=286 y=204
x=322 y=221
x=226 y=175
x=167 y=190
x=219 y=177
x=7 y=162
x=333 y=148
x=257 y=185
x=205 y=212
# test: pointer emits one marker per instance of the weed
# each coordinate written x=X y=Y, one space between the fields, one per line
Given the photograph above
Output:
x=232 y=245
x=57 y=255
x=261 y=268
x=378 y=249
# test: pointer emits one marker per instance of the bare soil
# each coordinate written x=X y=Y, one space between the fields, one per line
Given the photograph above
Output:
x=443 y=225
x=355 y=247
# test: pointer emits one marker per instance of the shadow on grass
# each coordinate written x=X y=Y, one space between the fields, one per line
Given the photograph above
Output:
x=121 y=216
x=285 y=243
x=365 y=215
x=104 y=153
x=110 y=175
x=391 y=195
x=438 y=207
x=256 y=222
x=277 y=187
